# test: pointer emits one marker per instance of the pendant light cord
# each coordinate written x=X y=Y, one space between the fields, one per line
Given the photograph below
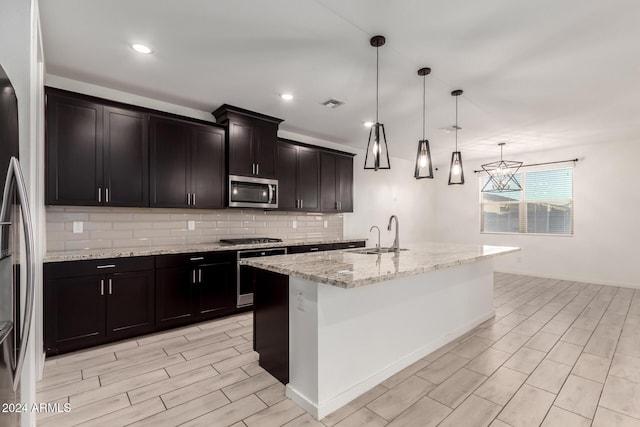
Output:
x=377 y=77
x=456 y=123
x=424 y=108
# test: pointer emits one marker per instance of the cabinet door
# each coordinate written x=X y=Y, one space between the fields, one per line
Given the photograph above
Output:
x=126 y=158
x=169 y=162
x=207 y=167
x=328 y=196
x=130 y=303
x=74 y=151
x=241 y=156
x=74 y=313
x=344 y=178
x=309 y=178
x=287 y=176
x=264 y=147
x=215 y=282
x=174 y=296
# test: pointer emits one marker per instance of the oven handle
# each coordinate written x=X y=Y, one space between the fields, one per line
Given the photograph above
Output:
x=270 y=193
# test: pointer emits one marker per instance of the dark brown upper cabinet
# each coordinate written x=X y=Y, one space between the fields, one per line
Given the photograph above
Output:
x=298 y=177
x=252 y=139
x=336 y=182
x=97 y=155
x=187 y=164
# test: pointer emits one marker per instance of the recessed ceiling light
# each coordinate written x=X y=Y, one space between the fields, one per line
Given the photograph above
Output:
x=141 y=48
x=368 y=124
x=286 y=96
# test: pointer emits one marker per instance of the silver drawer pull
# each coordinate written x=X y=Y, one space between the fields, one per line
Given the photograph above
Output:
x=314 y=249
x=101 y=287
x=193 y=276
x=106 y=266
x=110 y=287
x=351 y=246
x=199 y=275
x=197 y=258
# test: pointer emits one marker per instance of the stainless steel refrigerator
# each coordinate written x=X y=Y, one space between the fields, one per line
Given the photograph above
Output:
x=16 y=260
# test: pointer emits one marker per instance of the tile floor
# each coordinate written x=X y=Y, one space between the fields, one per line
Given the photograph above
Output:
x=557 y=353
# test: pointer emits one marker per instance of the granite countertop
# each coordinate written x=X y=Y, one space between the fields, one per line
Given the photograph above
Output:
x=88 y=254
x=348 y=269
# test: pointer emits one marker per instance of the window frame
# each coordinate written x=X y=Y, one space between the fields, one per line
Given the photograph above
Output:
x=522 y=205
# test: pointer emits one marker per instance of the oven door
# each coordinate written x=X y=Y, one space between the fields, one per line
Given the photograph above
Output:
x=248 y=192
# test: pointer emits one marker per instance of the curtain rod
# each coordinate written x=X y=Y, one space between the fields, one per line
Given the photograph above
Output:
x=539 y=164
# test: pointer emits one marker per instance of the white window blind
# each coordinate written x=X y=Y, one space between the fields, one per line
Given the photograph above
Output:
x=544 y=206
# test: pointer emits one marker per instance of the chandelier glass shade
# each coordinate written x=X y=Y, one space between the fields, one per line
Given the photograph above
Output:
x=456 y=171
x=423 y=168
x=377 y=156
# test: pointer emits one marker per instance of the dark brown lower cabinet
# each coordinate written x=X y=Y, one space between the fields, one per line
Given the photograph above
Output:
x=92 y=302
x=271 y=322
x=195 y=287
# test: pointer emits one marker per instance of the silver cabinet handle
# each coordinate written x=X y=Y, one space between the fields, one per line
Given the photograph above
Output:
x=99 y=194
x=193 y=276
x=194 y=199
x=196 y=258
x=106 y=266
x=257 y=168
x=314 y=249
x=106 y=197
x=199 y=275
x=102 y=287
x=253 y=168
x=301 y=204
x=188 y=199
x=110 y=287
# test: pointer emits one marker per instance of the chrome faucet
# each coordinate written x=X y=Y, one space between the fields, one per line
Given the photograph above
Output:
x=396 y=241
x=377 y=228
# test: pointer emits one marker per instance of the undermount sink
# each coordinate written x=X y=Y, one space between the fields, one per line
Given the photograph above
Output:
x=375 y=251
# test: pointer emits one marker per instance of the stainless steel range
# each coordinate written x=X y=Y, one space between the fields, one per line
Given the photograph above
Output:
x=244 y=283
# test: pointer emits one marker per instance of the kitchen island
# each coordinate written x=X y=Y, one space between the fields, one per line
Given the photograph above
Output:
x=333 y=325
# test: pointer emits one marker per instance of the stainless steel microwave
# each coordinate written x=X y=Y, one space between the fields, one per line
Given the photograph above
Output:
x=249 y=192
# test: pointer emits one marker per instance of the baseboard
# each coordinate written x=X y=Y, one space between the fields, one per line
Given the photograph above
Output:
x=321 y=410
x=571 y=278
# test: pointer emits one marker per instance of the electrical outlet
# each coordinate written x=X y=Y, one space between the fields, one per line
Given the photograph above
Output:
x=77 y=227
x=294 y=224
x=191 y=225
x=300 y=301
x=326 y=224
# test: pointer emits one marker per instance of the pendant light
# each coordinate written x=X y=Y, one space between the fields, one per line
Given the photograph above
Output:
x=502 y=175
x=423 y=157
x=456 y=173
x=377 y=156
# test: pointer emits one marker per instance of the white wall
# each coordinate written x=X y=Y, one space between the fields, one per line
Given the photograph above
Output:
x=604 y=247
x=19 y=44
x=380 y=194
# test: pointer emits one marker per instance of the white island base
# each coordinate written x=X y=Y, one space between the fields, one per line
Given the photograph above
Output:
x=343 y=342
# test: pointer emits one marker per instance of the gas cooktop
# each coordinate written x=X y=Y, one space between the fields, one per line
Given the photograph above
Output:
x=250 y=241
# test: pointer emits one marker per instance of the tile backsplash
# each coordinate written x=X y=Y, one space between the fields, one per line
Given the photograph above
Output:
x=107 y=227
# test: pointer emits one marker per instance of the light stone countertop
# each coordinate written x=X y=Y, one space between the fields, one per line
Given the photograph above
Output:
x=347 y=269
x=89 y=254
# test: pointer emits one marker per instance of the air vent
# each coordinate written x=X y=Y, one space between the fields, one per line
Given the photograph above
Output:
x=332 y=103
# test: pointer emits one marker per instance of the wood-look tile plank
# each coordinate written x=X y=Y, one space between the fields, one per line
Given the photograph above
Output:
x=487 y=362
x=197 y=349
x=399 y=377
x=98 y=394
x=272 y=394
x=219 y=329
x=140 y=394
x=456 y=388
x=525 y=360
x=229 y=414
x=201 y=388
x=443 y=368
x=164 y=335
x=501 y=386
x=118 y=365
x=511 y=342
x=128 y=415
x=398 y=399
x=88 y=412
x=426 y=412
x=475 y=410
x=248 y=386
x=528 y=407
x=183 y=413
x=472 y=347
x=141 y=368
x=54 y=370
x=59 y=380
x=199 y=362
x=236 y=362
x=144 y=349
x=305 y=420
x=65 y=390
x=276 y=415
x=542 y=341
x=351 y=407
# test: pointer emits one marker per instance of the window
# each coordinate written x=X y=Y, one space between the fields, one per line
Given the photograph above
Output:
x=544 y=206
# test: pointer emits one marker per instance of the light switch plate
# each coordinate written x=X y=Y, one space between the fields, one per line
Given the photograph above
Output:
x=191 y=225
x=77 y=227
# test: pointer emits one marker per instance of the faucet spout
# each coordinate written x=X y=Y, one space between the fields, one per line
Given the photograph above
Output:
x=396 y=240
x=377 y=228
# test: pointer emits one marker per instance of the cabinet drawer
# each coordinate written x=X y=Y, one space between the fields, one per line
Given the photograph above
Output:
x=97 y=266
x=310 y=248
x=165 y=261
x=350 y=245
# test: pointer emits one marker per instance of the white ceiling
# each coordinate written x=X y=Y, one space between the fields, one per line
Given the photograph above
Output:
x=535 y=74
